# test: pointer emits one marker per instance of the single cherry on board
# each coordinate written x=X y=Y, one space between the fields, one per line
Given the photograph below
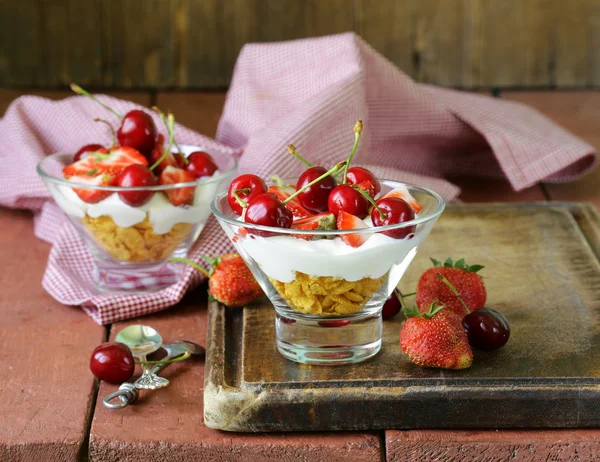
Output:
x=487 y=329
x=138 y=131
x=112 y=362
x=248 y=186
x=395 y=211
x=345 y=197
x=364 y=178
x=267 y=210
x=136 y=175
x=314 y=198
x=201 y=164
x=391 y=307
x=85 y=150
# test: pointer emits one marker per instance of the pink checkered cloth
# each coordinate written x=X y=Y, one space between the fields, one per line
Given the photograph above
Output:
x=310 y=93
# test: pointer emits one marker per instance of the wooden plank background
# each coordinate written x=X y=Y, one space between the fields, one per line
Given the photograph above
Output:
x=194 y=43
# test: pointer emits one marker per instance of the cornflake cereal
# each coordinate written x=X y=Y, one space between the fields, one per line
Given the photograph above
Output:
x=137 y=243
x=325 y=295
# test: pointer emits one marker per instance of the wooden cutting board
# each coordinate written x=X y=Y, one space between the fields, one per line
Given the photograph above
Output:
x=541 y=270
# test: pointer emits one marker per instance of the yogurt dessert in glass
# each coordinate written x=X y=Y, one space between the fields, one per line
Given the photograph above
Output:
x=131 y=231
x=328 y=274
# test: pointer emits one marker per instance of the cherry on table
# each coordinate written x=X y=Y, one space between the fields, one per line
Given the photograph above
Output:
x=136 y=175
x=84 y=151
x=138 y=131
x=267 y=210
x=487 y=329
x=314 y=198
x=364 y=178
x=391 y=307
x=112 y=362
x=395 y=211
x=345 y=197
x=248 y=186
x=201 y=164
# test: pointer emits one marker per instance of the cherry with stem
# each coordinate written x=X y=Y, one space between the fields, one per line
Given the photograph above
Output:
x=164 y=121
x=171 y=130
x=336 y=168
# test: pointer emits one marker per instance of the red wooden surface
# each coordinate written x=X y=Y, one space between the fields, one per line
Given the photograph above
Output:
x=46 y=403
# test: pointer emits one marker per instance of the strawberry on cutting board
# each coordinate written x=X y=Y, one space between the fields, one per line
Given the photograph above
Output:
x=174 y=175
x=348 y=221
x=433 y=286
x=435 y=338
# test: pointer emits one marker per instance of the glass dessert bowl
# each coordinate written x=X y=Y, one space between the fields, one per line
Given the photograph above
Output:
x=131 y=231
x=328 y=286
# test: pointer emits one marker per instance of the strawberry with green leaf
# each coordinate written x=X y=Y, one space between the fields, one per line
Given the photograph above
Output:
x=435 y=338
x=466 y=291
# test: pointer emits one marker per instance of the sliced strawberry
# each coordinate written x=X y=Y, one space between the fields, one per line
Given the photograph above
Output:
x=92 y=196
x=294 y=206
x=321 y=222
x=157 y=153
x=86 y=166
x=120 y=158
x=173 y=175
x=401 y=192
x=369 y=187
x=348 y=221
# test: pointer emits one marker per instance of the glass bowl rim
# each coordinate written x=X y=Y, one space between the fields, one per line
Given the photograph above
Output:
x=201 y=181
x=337 y=232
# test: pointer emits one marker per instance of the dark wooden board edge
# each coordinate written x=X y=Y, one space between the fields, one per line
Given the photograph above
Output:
x=229 y=407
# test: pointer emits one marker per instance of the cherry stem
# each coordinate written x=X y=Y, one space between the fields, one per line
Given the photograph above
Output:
x=171 y=130
x=80 y=91
x=371 y=200
x=333 y=171
x=183 y=357
x=293 y=152
x=239 y=200
x=357 y=132
x=454 y=291
x=191 y=263
x=164 y=121
x=112 y=129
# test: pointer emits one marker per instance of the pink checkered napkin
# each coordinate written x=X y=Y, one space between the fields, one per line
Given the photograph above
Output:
x=310 y=93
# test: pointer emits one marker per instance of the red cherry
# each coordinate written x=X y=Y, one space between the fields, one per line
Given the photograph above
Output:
x=487 y=329
x=112 y=362
x=365 y=178
x=267 y=210
x=345 y=197
x=201 y=164
x=85 y=150
x=248 y=181
x=314 y=198
x=396 y=211
x=335 y=323
x=137 y=131
x=391 y=307
x=136 y=175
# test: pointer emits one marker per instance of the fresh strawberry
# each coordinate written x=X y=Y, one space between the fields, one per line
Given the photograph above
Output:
x=158 y=151
x=321 y=222
x=86 y=166
x=369 y=187
x=283 y=192
x=231 y=281
x=174 y=175
x=435 y=338
x=441 y=282
x=348 y=221
x=401 y=192
x=92 y=196
x=119 y=159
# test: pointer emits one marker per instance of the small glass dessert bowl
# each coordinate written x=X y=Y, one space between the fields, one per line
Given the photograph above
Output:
x=132 y=231
x=328 y=287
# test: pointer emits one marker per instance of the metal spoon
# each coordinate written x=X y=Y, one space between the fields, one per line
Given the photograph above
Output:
x=128 y=392
x=143 y=340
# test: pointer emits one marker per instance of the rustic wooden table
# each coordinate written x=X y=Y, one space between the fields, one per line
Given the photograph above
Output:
x=48 y=406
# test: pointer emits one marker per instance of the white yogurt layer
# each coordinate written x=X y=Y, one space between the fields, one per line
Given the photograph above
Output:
x=162 y=214
x=281 y=256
